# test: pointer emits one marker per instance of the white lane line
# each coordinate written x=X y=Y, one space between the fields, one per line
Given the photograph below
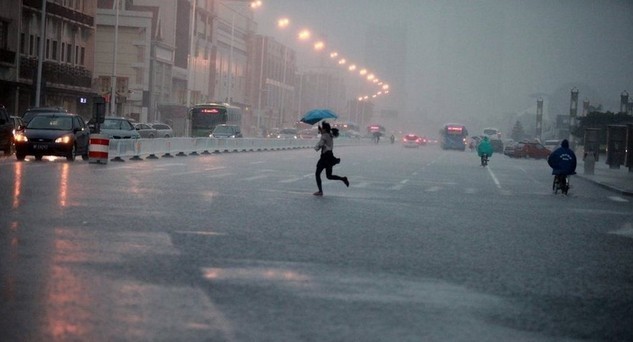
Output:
x=433 y=189
x=185 y=173
x=494 y=178
x=255 y=177
x=191 y=232
x=618 y=199
x=626 y=230
x=215 y=168
x=219 y=175
x=470 y=190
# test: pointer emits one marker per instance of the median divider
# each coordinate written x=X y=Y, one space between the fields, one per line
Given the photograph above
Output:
x=144 y=149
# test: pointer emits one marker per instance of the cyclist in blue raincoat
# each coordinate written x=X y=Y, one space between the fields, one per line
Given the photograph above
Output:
x=562 y=160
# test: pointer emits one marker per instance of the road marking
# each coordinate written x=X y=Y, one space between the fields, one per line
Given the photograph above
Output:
x=255 y=177
x=470 y=190
x=215 y=168
x=626 y=230
x=220 y=175
x=618 y=199
x=433 y=189
x=185 y=173
x=494 y=178
x=291 y=180
x=199 y=233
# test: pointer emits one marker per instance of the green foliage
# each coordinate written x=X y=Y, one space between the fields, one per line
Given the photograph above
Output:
x=517 y=133
x=600 y=120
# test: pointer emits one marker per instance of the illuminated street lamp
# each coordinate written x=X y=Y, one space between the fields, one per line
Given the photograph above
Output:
x=318 y=46
x=282 y=23
x=304 y=34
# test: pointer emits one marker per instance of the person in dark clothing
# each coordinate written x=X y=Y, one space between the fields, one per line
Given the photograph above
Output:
x=563 y=163
x=327 y=160
x=562 y=160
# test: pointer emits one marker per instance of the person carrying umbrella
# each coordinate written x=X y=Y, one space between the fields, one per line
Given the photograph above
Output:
x=327 y=159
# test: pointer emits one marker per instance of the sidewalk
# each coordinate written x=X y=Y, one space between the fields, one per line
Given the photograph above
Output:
x=618 y=180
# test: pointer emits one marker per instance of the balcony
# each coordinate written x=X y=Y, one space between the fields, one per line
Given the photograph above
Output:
x=63 y=74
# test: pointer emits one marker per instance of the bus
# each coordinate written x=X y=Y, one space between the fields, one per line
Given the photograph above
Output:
x=453 y=137
x=205 y=116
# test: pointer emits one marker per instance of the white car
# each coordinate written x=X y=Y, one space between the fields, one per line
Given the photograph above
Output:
x=163 y=130
x=118 y=128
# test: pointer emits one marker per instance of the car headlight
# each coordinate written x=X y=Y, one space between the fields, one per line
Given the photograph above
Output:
x=20 y=137
x=63 y=139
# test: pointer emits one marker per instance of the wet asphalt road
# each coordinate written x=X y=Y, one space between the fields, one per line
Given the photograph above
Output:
x=425 y=245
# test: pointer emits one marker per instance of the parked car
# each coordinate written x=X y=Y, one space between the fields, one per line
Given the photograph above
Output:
x=117 y=128
x=31 y=112
x=53 y=134
x=164 y=130
x=6 y=131
x=309 y=133
x=226 y=131
x=145 y=130
x=287 y=133
x=508 y=148
x=411 y=140
x=497 y=145
x=530 y=149
x=552 y=144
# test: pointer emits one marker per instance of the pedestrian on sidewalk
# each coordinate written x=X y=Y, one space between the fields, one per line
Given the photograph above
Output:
x=327 y=159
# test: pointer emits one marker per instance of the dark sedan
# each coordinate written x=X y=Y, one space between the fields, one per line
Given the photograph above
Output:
x=53 y=134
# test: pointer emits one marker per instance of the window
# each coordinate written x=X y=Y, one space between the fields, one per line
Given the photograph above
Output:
x=4 y=34
x=31 y=45
x=69 y=53
x=82 y=56
x=54 y=52
x=61 y=59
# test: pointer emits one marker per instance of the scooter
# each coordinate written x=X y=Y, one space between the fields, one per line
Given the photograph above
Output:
x=561 y=182
x=484 y=160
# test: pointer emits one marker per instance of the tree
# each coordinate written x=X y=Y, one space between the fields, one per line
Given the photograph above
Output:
x=517 y=131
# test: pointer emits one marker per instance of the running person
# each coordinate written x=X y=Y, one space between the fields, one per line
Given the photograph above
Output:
x=327 y=160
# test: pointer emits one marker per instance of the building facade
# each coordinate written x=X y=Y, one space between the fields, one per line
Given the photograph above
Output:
x=65 y=40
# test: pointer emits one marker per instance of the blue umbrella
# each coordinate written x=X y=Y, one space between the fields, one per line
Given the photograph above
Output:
x=317 y=115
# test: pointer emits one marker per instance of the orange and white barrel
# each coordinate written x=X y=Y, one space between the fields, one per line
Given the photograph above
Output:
x=98 y=149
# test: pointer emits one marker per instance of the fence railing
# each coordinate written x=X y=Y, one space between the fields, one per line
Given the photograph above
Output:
x=138 y=149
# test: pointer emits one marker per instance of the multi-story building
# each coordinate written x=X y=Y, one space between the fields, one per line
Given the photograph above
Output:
x=272 y=87
x=60 y=49
x=122 y=59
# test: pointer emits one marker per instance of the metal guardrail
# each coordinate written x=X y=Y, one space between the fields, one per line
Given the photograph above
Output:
x=139 y=149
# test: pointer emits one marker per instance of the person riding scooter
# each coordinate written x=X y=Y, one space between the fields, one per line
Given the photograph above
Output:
x=563 y=163
x=484 y=150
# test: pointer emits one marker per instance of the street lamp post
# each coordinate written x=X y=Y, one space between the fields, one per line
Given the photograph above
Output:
x=260 y=87
x=539 y=118
x=230 y=76
x=114 y=61
x=573 y=110
x=624 y=102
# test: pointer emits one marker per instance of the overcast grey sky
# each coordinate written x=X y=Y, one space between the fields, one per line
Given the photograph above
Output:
x=476 y=57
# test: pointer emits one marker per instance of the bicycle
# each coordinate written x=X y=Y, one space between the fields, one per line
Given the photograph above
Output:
x=484 y=160
x=561 y=182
